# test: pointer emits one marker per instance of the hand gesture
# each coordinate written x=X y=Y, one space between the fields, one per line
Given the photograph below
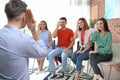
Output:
x=79 y=52
x=31 y=23
x=78 y=26
x=58 y=24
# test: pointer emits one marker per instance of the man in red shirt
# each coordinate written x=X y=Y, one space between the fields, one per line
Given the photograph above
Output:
x=64 y=47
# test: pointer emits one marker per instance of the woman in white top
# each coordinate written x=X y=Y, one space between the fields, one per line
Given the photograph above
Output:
x=82 y=53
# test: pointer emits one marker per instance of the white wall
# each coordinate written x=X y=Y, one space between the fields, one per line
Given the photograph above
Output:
x=51 y=11
x=3 y=19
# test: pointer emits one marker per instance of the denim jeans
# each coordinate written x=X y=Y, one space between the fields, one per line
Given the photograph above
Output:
x=59 y=52
x=78 y=58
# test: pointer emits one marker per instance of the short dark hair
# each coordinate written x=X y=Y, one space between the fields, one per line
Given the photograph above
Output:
x=63 y=18
x=14 y=8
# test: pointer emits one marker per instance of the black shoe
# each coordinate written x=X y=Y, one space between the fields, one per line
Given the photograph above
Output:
x=53 y=76
x=60 y=76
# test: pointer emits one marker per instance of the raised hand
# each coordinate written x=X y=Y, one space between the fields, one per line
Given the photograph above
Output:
x=31 y=23
x=58 y=24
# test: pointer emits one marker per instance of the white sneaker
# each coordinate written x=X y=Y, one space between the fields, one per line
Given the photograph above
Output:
x=97 y=77
x=101 y=78
x=39 y=72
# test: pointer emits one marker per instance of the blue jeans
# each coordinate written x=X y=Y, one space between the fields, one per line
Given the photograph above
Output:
x=78 y=58
x=59 y=52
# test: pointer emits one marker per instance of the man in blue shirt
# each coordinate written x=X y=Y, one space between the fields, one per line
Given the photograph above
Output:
x=16 y=47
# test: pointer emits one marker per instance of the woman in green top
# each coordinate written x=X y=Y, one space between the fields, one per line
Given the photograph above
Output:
x=103 y=53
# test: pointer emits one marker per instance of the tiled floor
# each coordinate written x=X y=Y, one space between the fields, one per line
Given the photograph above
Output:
x=41 y=75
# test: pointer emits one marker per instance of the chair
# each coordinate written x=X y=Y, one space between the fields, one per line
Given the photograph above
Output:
x=92 y=48
x=55 y=58
x=86 y=75
x=115 y=59
x=58 y=60
x=32 y=69
x=46 y=69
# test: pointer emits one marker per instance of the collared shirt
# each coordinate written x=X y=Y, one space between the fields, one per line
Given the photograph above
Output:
x=104 y=43
x=15 y=50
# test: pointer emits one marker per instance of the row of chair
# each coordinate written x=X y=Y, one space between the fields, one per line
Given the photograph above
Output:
x=115 y=60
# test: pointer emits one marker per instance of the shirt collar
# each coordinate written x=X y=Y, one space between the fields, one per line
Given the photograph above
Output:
x=12 y=27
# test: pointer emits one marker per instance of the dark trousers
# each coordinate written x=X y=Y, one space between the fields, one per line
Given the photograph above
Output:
x=97 y=58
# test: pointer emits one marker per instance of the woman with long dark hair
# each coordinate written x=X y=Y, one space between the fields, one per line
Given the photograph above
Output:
x=103 y=53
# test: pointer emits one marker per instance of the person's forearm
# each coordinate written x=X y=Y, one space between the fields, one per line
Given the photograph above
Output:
x=71 y=44
x=88 y=46
x=55 y=32
x=35 y=35
x=49 y=44
x=75 y=35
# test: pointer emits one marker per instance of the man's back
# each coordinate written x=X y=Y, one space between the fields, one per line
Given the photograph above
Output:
x=13 y=60
x=15 y=50
x=15 y=46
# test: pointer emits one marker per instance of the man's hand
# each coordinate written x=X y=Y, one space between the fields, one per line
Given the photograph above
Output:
x=66 y=50
x=58 y=24
x=31 y=23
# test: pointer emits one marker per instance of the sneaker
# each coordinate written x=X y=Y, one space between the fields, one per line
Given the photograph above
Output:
x=39 y=72
x=96 y=77
x=53 y=76
x=101 y=78
x=60 y=76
